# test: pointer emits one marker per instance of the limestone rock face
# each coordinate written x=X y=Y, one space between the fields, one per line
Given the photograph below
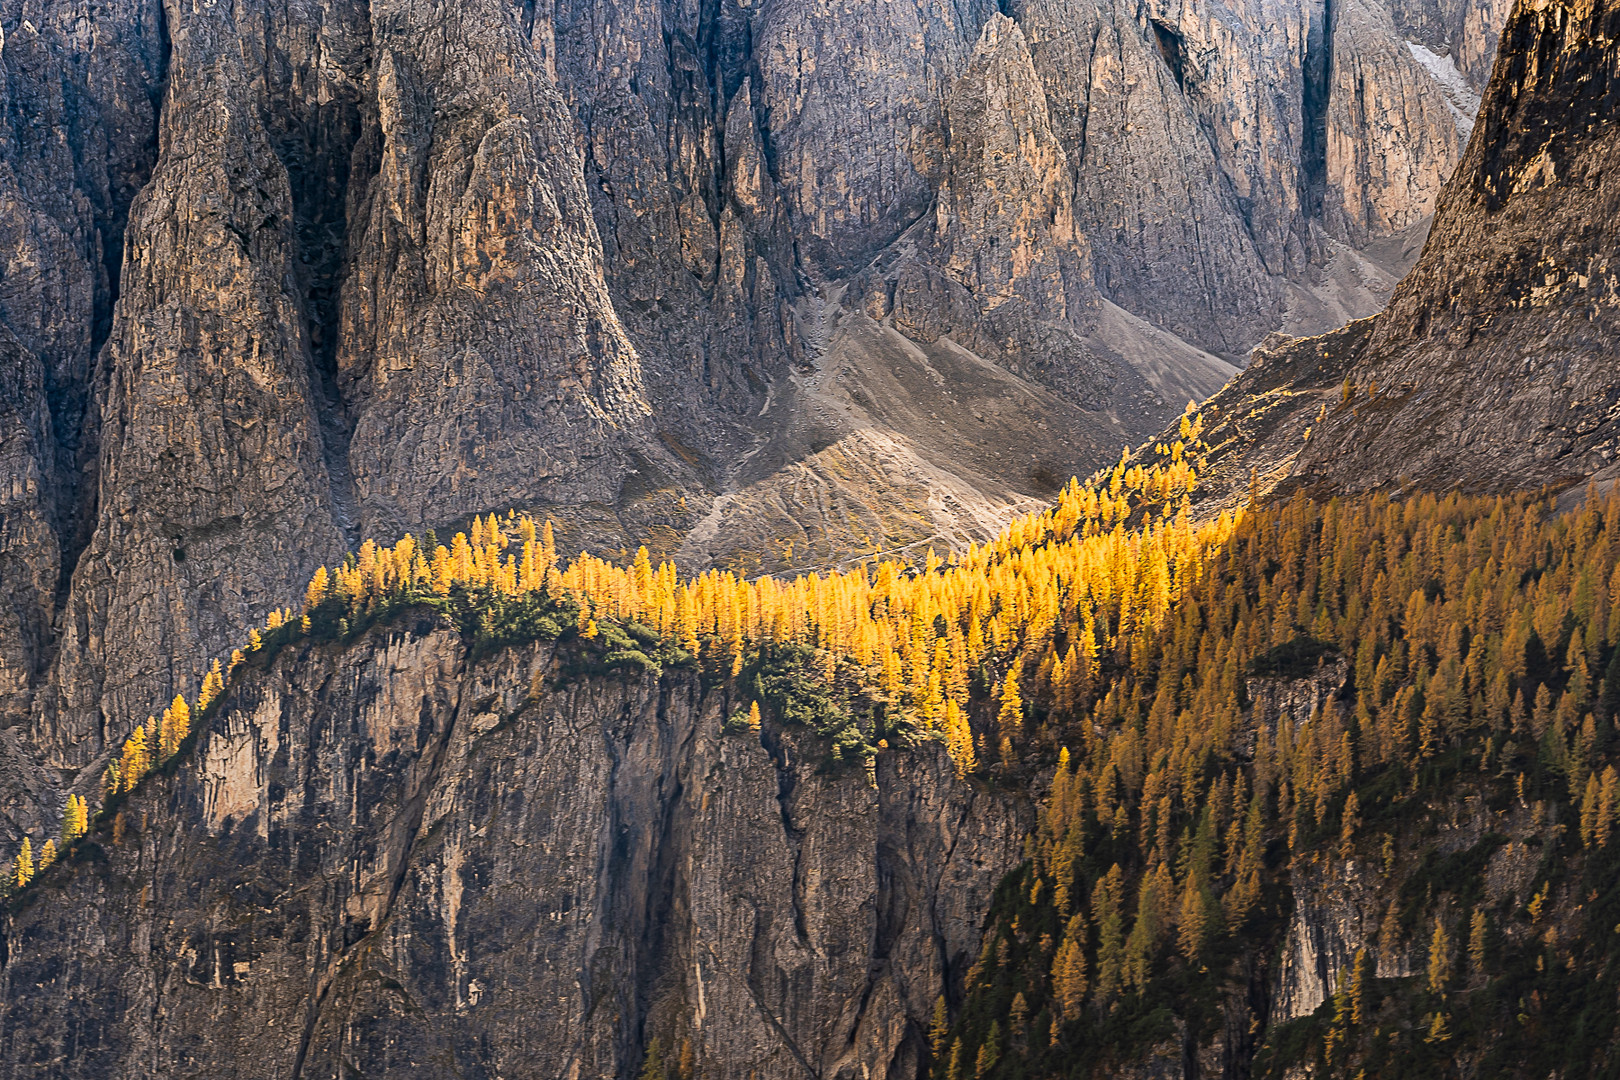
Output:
x=1339 y=902
x=754 y=283
x=361 y=292
x=78 y=87
x=213 y=500
x=1465 y=33
x=1493 y=366
x=394 y=854
x=1512 y=311
x=1222 y=152
x=31 y=559
x=1393 y=136
x=853 y=98
x=479 y=349
x=1001 y=264
x=1149 y=183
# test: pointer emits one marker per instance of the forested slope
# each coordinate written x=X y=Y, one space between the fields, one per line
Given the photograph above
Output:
x=1320 y=782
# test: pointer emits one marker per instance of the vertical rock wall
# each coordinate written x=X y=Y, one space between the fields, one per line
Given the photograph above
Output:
x=480 y=352
x=79 y=84
x=392 y=856
x=213 y=498
x=1512 y=310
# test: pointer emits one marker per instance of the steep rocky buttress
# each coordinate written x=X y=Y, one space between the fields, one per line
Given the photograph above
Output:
x=396 y=858
x=1494 y=366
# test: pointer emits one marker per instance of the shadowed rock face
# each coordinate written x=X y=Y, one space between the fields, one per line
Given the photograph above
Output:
x=1497 y=355
x=394 y=855
x=213 y=494
x=79 y=99
x=1494 y=366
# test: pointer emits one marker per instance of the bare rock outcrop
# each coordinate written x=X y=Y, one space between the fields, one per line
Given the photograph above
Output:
x=480 y=352
x=1463 y=32
x=357 y=295
x=1148 y=181
x=31 y=558
x=1224 y=152
x=397 y=855
x=1493 y=366
x=1392 y=136
x=78 y=83
x=214 y=501
x=854 y=97
x=1001 y=264
x=1495 y=359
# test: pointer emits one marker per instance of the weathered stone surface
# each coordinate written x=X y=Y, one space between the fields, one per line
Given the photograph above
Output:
x=392 y=855
x=1496 y=355
x=77 y=139
x=1392 y=137
x=1001 y=264
x=30 y=556
x=1161 y=214
x=1220 y=149
x=480 y=352
x=1464 y=32
x=1493 y=366
x=362 y=292
x=853 y=98
x=214 y=500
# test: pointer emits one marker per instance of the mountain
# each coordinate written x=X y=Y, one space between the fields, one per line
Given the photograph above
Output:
x=770 y=286
x=1493 y=367
x=1135 y=787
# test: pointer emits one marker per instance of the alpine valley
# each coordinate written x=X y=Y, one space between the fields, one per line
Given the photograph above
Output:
x=537 y=539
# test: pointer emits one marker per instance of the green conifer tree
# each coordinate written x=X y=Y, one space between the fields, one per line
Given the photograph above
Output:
x=653 y=1068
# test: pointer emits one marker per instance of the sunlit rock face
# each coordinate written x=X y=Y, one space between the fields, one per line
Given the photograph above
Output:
x=1493 y=367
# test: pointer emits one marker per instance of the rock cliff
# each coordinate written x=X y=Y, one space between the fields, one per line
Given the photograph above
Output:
x=400 y=856
x=1493 y=366
x=360 y=289
x=77 y=143
x=397 y=857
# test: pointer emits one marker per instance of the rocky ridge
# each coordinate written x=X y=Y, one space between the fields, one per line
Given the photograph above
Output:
x=720 y=277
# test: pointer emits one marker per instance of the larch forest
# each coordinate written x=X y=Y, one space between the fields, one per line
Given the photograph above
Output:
x=660 y=540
